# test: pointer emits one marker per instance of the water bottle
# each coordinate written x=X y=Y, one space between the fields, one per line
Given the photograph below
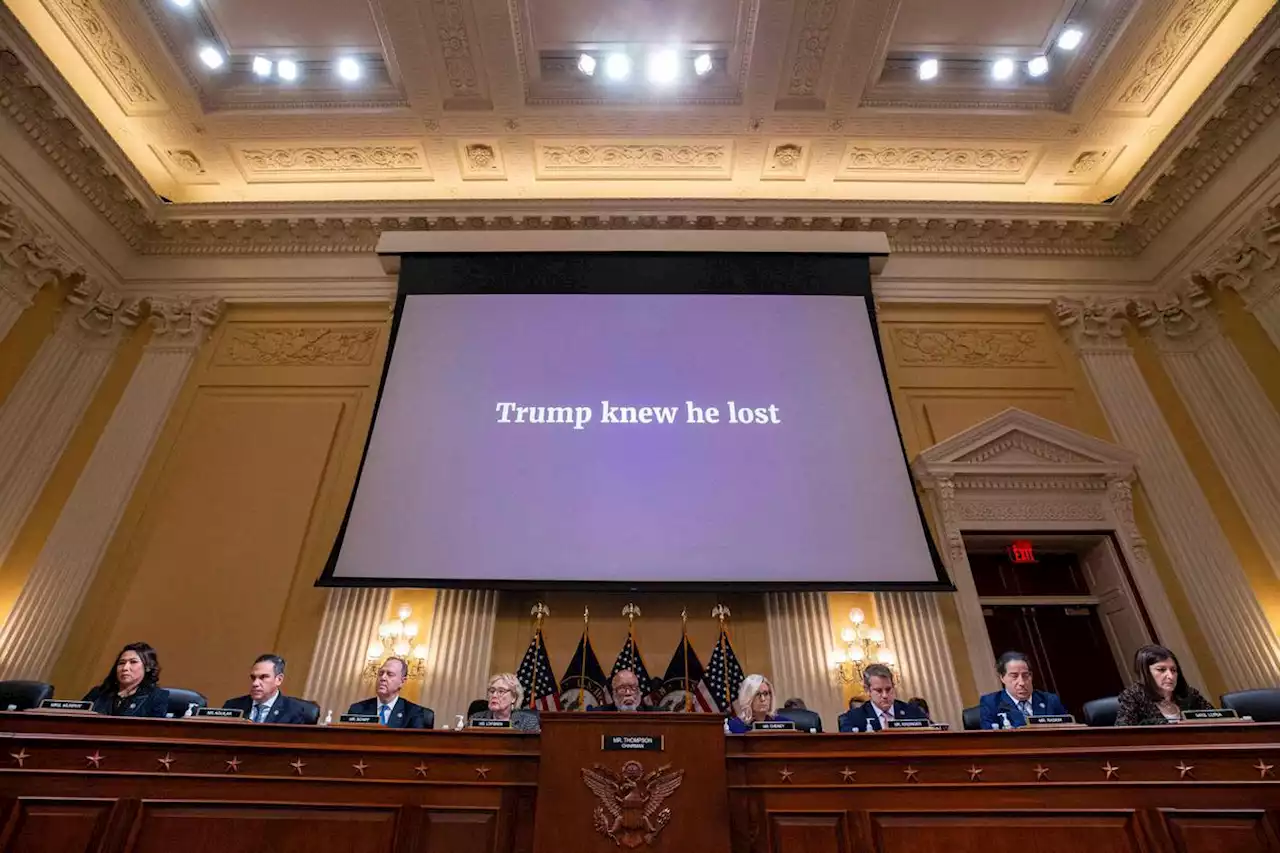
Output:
x=869 y=726
x=191 y=709
x=459 y=722
x=1004 y=721
x=328 y=718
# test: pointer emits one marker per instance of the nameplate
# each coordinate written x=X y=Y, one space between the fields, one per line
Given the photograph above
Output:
x=650 y=743
x=362 y=719
x=910 y=724
x=490 y=724
x=220 y=713
x=65 y=705
x=774 y=726
x=1050 y=719
x=1210 y=714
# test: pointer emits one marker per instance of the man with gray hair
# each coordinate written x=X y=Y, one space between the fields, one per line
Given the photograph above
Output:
x=883 y=707
x=392 y=709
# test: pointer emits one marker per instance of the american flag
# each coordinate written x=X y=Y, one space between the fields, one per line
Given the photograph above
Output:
x=584 y=683
x=629 y=658
x=541 y=689
x=724 y=674
x=684 y=682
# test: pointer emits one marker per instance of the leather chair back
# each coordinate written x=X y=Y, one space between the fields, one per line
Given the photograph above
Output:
x=430 y=716
x=804 y=719
x=313 y=712
x=476 y=706
x=1102 y=712
x=1263 y=705
x=973 y=718
x=23 y=695
x=180 y=699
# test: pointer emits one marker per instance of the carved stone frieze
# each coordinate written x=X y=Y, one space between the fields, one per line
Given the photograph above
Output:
x=101 y=314
x=455 y=48
x=1120 y=493
x=120 y=70
x=182 y=323
x=810 y=48
x=863 y=162
x=29 y=258
x=299 y=345
x=1192 y=23
x=1249 y=261
x=968 y=347
x=618 y=159
x=355 y=161
x=1023 y=510
x=1094 y=325
x=1020 y=447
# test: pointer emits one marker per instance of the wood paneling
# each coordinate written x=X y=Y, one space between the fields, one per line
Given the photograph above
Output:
x=1003 y=832
x=460 y=831
x=1220 y=831
x=807 y=832
x=48 y=825
x=223 y=827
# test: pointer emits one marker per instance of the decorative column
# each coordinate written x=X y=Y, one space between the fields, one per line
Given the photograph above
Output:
x=1239 y=638
x=913 y=628
x=32 y=637
x=40 y=414
x=459 y=651
x=29 y=260
x=1249 y=263
x=800 y=650
x=351 y=620
x=1230 y=409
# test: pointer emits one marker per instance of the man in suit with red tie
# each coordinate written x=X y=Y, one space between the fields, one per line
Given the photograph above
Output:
x=883 y=707
x=393 y=710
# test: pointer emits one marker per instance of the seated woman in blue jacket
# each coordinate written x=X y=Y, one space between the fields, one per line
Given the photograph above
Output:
x=1018 y=700
x=755 y=704
x=131 y=688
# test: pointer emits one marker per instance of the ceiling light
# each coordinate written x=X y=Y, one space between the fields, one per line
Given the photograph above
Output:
x=262 y=66
x=664 y=66
x=702 y=64
x=1002 y=69
x=348 y=68
x=617 y=66
x=1070 y=38
x=928 y=69
x=1038 y=67
x=287 y=69
x=211 y=56
x=587 y=64
x=181 y=4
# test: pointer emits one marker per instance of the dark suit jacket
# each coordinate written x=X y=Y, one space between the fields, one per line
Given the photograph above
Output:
x=613 y=707
x=855 y=719
x=1139 y=709
x=994 y=704
x=147 y=702
x=404 y=714
x=286 y=709
x=522 y=719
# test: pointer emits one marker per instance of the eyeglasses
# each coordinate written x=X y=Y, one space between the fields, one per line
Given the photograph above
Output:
x=497 y=691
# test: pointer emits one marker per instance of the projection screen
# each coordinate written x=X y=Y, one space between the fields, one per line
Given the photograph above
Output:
x=635 y=420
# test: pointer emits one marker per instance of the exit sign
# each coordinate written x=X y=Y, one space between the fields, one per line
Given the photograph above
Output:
x=1021 y=551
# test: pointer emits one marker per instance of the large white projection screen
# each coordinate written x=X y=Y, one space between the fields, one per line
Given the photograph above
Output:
x=637 y=439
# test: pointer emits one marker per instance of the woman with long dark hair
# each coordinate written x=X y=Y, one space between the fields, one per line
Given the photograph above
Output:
x=131 y=688
x=1160 y=694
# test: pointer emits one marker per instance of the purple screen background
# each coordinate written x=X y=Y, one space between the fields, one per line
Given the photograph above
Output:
x=447 y=492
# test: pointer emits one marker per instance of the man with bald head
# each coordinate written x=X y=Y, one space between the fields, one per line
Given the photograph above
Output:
x=628 y=696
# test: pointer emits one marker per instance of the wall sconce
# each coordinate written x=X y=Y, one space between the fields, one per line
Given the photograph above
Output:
x=863 y=647
x=397 y=635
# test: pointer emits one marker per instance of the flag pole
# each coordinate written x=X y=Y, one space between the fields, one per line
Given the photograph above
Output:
x=631 y=612
x=586 y=641
x=684 y=644
x=538 y=612
x=722 y=613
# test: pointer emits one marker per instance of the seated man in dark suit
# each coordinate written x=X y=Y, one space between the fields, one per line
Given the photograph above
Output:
x=265 y=703
x=627 y=695
x=1017 y=700
x=393 y=710
x=884 y=705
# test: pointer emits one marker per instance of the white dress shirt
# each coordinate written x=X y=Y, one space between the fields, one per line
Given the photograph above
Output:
x=263 y=708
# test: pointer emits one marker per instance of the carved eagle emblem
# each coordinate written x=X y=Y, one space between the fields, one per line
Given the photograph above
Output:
x=630 y=809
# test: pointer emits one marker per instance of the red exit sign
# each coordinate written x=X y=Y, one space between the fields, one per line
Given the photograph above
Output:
x=1021 y=551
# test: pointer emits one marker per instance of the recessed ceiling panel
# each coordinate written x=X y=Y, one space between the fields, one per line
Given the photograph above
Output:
x=572 y=23
x=961 y=24
x=248 y=25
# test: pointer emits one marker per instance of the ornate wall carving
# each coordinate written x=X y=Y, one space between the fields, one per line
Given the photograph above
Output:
x=617 y=159
x=357 y=162
x=29 y=258
x=98 y=41
x=968 y=347
x=481 y=160
x=294 y=346
x=455 y=48
x=862 y=161
x=1154 y=73
x=810 y=47
x=787 y=161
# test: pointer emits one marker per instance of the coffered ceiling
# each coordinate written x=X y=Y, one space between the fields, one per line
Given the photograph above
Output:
x=474 y=100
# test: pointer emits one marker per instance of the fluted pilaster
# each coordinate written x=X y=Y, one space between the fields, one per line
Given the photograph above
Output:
x=32 y=637
x=351 y=620
x=800 y=650
x=913 y=628
x=459 y=651
x=1237 y=632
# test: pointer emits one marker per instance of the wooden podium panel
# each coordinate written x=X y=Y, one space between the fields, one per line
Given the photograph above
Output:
x=596 y=799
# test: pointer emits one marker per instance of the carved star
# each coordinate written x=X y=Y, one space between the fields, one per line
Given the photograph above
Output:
x=1264 y=769
x=482 y=772
x=1112 y=770
x=166 y=761
x=22 y=755
x=95 y=759
x=360 y=768
x=786 y=773
x=912 y=774
x=1184 y=770
x=849 y=775
x=233 y=765
x=975 y=773
x=297 y=764
x=1041 y=772
x=421 y=769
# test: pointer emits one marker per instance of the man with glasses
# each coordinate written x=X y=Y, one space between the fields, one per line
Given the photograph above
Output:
x=392 y=709
x=627 y=695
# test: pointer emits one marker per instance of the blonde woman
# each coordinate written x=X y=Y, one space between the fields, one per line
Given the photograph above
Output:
x=754 y=705
x=505 y=696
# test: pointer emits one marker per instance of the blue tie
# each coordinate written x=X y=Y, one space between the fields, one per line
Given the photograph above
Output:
x=384 y=713
x=256 y=716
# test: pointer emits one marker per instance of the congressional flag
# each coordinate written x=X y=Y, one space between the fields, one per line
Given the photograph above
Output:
x=724 y=674
x=584 y=684
x=539 y=682
x=629 y=658
x=683 y=687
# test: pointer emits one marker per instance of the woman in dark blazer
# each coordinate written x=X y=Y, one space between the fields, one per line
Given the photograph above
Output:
x=130 y=688
x=1160 y=694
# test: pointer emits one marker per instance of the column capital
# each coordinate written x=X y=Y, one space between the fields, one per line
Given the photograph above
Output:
x=1094 y=325
x=98 y=315
x=29 y=258
x=1249 y=261
x=182 y=323
x=1179 y=322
